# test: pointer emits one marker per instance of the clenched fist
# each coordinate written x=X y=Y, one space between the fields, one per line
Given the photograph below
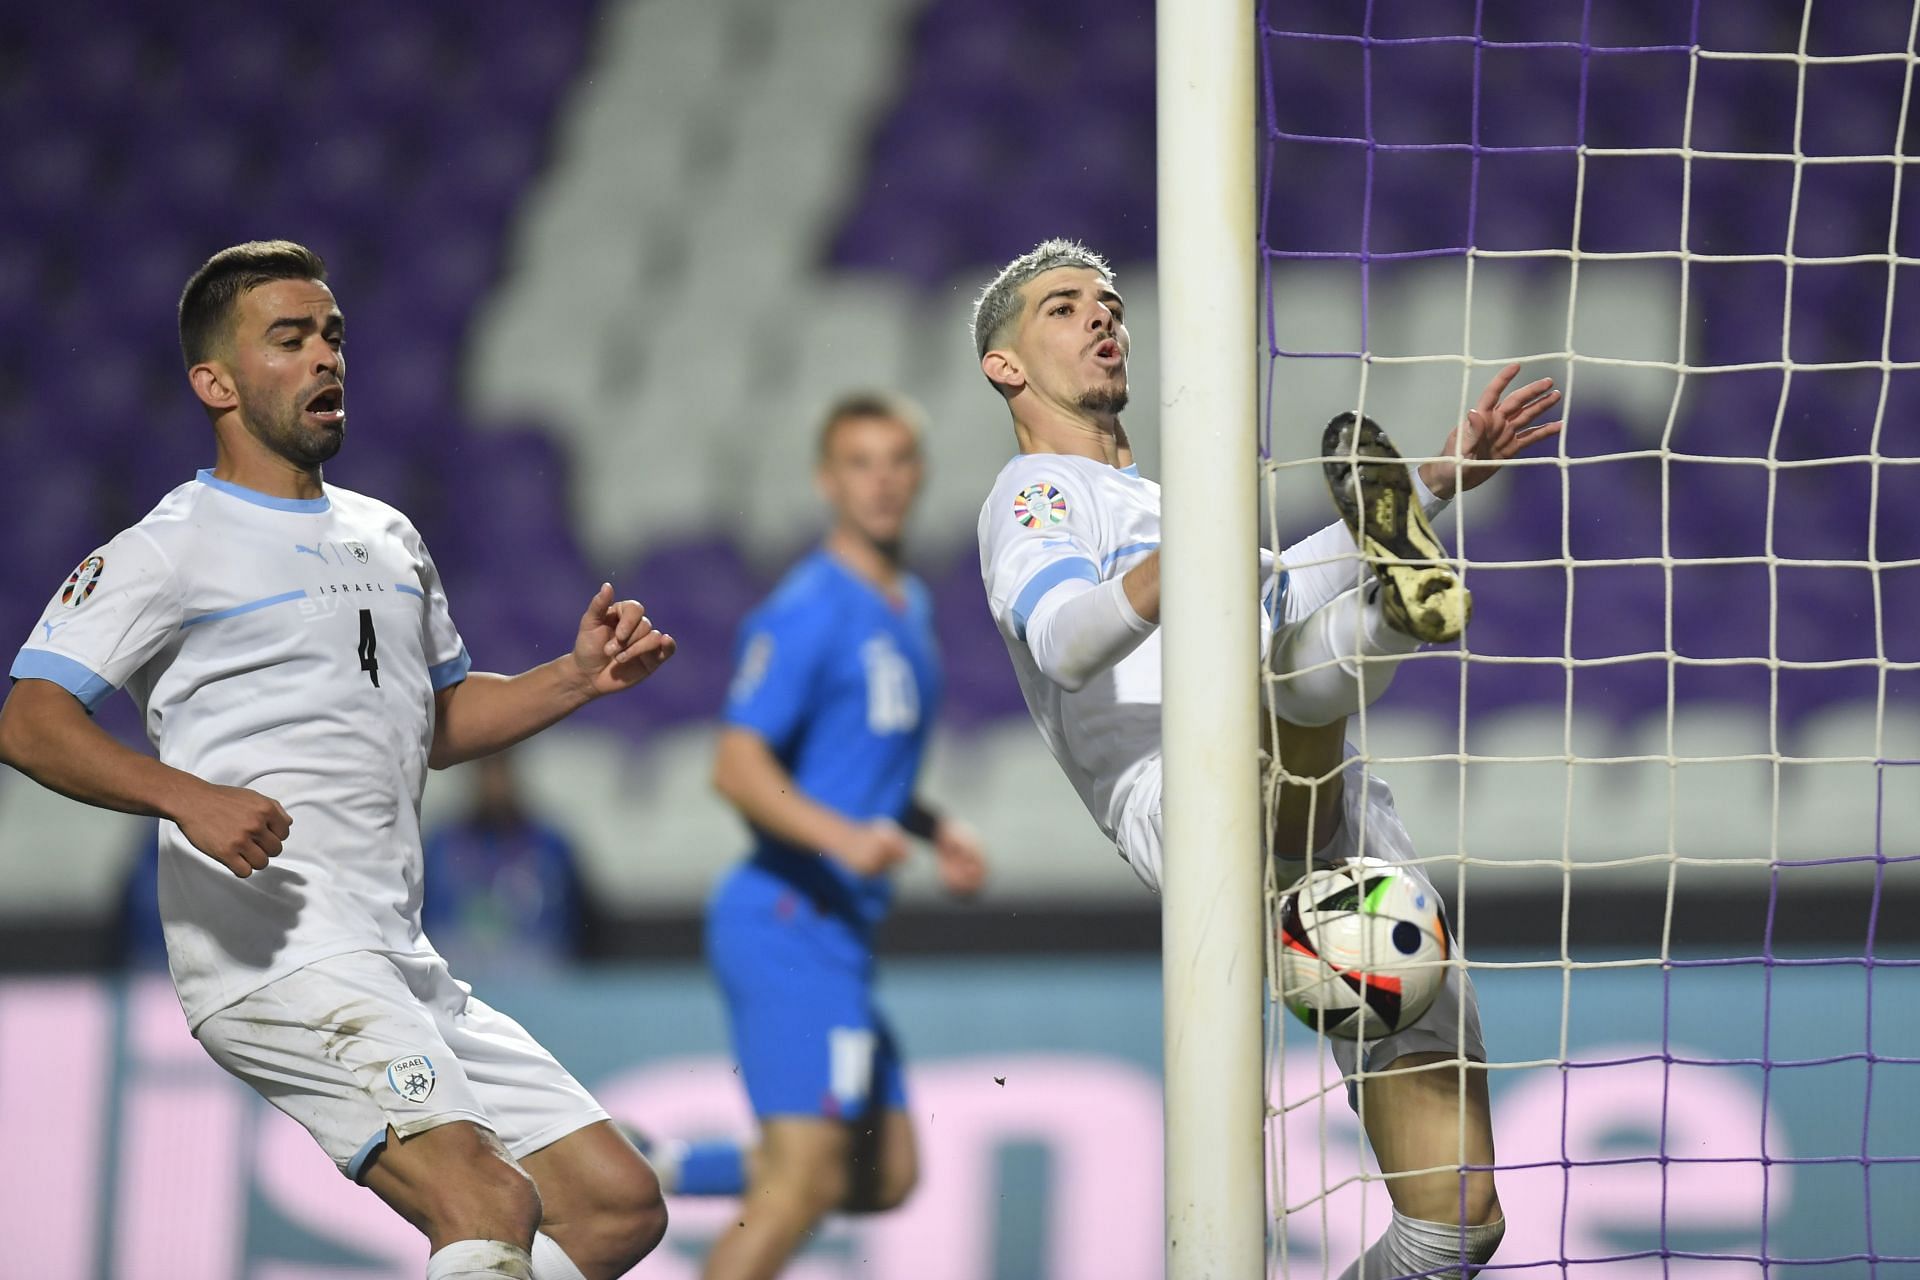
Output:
x=237 y=828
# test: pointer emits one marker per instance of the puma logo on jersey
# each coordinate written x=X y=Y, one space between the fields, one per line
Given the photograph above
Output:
x=50 y=628
x=309 y=551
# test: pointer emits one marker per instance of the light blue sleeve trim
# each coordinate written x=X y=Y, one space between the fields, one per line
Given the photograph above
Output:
x=78 y=679
x=450 y=672
x=1046 y=580
x=248 y=607
x=1127 y=550
x=406 y=590
x=357 y=1166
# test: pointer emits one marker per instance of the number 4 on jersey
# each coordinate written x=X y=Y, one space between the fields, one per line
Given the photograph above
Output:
x=369 y=647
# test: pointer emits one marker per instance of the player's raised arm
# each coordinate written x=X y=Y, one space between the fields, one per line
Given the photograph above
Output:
x=617 y=647
x=47 y=734
x=1498 y=427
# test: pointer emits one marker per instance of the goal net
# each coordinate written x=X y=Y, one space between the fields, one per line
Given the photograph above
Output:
x=1665 y=780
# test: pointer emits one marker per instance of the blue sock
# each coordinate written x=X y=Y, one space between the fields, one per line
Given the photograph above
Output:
x=713 y=1169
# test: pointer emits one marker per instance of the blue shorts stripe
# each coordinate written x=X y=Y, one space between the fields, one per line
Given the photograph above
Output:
x=357 y=1166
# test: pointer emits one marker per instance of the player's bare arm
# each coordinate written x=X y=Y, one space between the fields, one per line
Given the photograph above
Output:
x=616 y=648
x=1497 y=428
x=751 y=778
x=47 y=735
x=1142 y=583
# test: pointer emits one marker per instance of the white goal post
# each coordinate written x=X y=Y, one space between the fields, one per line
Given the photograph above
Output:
x=1213 y=952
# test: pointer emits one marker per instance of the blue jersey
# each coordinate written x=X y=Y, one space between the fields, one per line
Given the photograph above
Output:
x=842 y=683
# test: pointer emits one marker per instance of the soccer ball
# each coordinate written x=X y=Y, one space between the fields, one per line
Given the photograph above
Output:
x=1360 y=946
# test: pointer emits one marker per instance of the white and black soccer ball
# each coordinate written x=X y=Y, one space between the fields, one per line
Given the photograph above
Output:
x=1361 y=948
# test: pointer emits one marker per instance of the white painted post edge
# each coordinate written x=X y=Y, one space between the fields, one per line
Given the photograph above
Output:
x=1212 y=950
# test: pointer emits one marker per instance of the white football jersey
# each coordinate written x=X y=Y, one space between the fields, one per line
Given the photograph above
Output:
x=292 y=647
x=1053 y=518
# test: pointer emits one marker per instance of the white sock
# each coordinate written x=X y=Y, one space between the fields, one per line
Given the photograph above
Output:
x=1332 y=641
x=550 y=1261
x=1412 y=1247
x=480 y=1260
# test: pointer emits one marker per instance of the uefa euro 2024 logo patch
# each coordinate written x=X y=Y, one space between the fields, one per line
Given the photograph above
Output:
x=412 y=1078
x=1039 y=503
x=82 y=581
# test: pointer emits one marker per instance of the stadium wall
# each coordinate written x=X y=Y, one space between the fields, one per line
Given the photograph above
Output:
x=1037 y=1095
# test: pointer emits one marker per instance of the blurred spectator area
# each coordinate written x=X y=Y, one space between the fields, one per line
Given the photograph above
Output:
x=604 y=262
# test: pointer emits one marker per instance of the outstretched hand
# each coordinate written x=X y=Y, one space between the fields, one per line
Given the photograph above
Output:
x=617 y=646
x=1496 y=429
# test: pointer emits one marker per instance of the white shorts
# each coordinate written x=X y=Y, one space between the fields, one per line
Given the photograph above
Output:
x=1371 y=826
x=358 y=1042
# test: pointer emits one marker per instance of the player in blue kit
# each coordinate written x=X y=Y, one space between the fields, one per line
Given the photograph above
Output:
x=826 y=723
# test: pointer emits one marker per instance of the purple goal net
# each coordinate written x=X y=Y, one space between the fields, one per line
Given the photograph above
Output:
x=1669 y=773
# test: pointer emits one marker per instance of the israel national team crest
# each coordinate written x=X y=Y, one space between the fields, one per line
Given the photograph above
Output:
x=82 y=581
x=412 y=1078
x=1039 y=503
x=358 y=550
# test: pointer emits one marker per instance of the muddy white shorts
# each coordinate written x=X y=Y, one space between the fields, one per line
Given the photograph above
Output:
x=1370 y=826
x=354 y=1043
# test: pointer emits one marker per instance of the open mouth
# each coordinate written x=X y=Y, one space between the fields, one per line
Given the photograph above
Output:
x=330 y=405
x=1108 y=352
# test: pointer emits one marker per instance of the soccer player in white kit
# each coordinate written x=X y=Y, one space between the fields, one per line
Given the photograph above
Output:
x=1069 y=542
x=290 y=647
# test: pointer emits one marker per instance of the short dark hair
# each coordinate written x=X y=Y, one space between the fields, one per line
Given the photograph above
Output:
x=206 y=304
x=869 y=404
x=1000 y=302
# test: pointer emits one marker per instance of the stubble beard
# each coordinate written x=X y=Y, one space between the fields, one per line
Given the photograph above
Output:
x=283 y=432
x=1104 y=400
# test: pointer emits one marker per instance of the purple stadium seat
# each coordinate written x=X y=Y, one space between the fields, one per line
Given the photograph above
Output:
x=140 y=140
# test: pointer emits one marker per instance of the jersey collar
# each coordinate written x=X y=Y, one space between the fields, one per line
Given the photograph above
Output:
x=1131 y=469
x=309 y=506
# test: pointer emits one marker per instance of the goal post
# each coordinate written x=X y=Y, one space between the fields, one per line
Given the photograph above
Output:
x=1212 y=949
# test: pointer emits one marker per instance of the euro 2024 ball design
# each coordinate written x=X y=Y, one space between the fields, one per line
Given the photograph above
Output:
x=1363 y=946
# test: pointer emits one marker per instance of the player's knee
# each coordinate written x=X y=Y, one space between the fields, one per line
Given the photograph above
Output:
x=895 y=1186
x=1478 y=1205
x=807 y=1190
x=632 y=1229
x=491 y=1199
x=888 y=1190
x=644 y=1222
x=825 y=1189
x=1485 y=1208
x=607 y=1225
